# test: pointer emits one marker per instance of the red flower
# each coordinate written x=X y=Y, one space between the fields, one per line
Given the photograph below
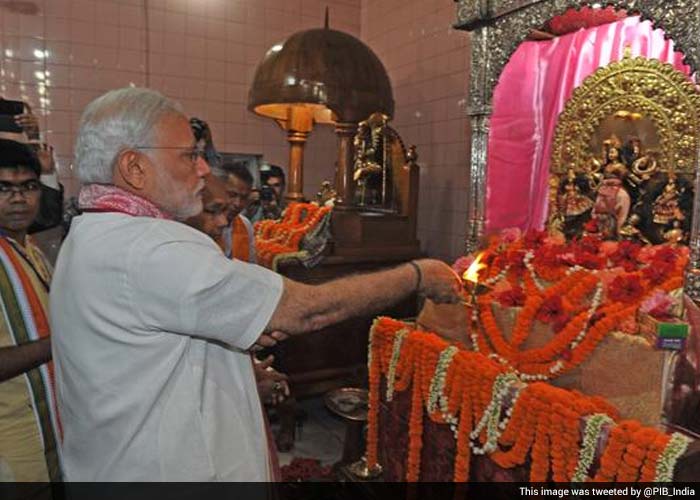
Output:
x=560 y=323
x=588 y=260
x=534 y=238
x=514 y=297
x=666 y=255
x=548 y=255
x=510 y=235
x=625 y=288
x=589 y=243
x=661 y=313
x=551 y=310
x=591 y=226
x=656 y=273
x=514 y=259
x=597 y=316
x=626 y=256
x=498 y=261
x=566 y=354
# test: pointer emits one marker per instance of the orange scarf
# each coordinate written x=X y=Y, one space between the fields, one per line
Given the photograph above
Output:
x=240 y=241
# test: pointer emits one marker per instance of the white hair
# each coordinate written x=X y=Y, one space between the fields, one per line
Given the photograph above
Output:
x=118 y=120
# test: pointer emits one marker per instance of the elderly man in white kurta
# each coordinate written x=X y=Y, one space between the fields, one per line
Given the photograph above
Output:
x=144 y=310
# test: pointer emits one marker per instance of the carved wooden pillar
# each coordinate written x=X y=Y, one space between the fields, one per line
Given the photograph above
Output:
x=344 y=182
x=295 y=183
x=298 y=125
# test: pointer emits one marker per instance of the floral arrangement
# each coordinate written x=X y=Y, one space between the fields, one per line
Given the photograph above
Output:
x=275 y=238
x=583 y=290
x=491 y=411
x=305 y=469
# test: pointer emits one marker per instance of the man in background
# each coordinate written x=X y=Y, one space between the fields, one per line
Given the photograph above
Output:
x=27 y=131
x=213 y=219
x=29 y=424
x=273 y=176
x=238 y=238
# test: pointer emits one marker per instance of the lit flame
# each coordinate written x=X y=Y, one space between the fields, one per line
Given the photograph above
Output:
x=472 y=274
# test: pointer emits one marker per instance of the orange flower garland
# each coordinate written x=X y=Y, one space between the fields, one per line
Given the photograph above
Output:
x=415 y=432
x=274 y=238
x=544 y=423
x=584 y=317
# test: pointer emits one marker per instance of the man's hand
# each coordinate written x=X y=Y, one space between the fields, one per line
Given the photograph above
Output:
x=29 y=123
x=268 y=339
x=272 y=385
x=439 y=282
x=45 y=154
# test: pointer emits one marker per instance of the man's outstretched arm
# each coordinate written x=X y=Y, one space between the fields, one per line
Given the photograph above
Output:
x=306 y=308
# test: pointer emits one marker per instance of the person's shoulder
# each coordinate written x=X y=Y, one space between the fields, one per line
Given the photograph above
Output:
x=33 y=246
x=130 y=231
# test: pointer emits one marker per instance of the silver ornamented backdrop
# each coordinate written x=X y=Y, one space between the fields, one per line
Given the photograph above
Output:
x=499 y=26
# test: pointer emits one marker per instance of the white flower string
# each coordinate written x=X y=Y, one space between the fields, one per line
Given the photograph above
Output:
x=574 y=269
x=527 y=260
x=595 y=303
x=667 y=461
x=473 y=332
x=437 y=395
x=500 y=276
x=591 y=437
x=395 y=354
x=492 y=414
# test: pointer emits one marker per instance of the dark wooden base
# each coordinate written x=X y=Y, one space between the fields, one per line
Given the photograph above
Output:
x=358 y=233
x=438 y=451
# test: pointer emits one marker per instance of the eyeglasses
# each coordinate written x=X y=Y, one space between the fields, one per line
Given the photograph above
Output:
x=7 y=189
x=193 y=153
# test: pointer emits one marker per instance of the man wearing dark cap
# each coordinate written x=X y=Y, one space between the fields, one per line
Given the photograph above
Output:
x=29 y=424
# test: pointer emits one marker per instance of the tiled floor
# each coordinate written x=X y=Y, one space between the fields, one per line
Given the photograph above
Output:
x=320 y=437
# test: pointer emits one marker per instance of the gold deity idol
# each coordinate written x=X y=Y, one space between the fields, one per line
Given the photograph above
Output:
x=630 y=130
x=666 y=207
x=571 y=202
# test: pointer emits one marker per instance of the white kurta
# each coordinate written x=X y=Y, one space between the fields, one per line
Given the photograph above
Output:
x=141 y=312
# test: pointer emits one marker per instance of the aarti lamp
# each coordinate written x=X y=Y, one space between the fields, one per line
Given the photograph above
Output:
x=471 y=279
x=320 y=76
x=474 y=288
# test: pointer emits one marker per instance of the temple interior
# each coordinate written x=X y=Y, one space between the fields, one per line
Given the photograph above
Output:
x=548 y=151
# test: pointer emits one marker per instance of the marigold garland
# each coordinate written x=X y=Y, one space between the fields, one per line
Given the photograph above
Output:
x=284 y=236
x=582 y=305
x=542 y=422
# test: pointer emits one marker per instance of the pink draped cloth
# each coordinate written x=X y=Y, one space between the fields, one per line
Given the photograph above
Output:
x=533 y=90
x=109 y=198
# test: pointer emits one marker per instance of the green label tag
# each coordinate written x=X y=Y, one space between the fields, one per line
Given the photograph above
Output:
x=672 y=330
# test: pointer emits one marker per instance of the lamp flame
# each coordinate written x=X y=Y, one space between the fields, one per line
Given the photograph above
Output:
x=472 y=273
